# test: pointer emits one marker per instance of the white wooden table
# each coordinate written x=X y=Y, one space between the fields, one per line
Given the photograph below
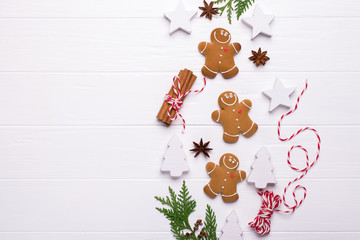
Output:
x=81 y=82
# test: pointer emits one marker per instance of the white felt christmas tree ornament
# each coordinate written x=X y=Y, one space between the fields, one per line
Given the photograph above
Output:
x=180 y=19
x=262 y=170
x=259 y=22
x=279 y=95
x=174 y=160
x=231 y=229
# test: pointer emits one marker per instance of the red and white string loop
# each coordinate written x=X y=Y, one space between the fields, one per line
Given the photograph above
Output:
x=176 y=102
x=270 y=201
x=262 y=221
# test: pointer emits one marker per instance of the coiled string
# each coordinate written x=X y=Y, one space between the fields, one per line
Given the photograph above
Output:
x=271 y=201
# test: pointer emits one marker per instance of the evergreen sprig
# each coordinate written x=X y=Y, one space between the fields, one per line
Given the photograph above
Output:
x=181 y=206
x=240 y=7
x=210 y=223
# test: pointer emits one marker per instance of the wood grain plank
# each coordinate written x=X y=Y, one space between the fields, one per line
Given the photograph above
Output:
x=167 y=236
x=79 y=64
x=109 y=99
x=115 y=8
x=129 y=206
x=132 y=44
x=109 y=152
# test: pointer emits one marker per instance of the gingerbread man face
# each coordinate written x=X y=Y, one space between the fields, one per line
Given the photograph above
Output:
x=219 y=54
x=224 y=178
x=230 y=161
x=227 y=99
x=220 y=35
x=234 y=117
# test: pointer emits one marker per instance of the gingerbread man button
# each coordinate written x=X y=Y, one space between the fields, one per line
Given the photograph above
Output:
x=224 y=178
x=219 y=54
x=234 y=117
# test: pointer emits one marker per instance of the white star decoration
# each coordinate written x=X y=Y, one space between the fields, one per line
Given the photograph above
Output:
x=259 y=22
x=279 y=95
x=180 y=19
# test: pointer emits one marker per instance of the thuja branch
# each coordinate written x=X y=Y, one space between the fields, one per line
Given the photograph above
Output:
x=179 y=208
x=239 y=6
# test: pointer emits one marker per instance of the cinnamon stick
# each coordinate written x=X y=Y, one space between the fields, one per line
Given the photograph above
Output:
x=187 y=79
x=163 y=113
x=164 y=117
x=164 y=108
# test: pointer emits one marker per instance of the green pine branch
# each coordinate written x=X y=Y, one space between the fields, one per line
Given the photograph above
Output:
x=210 y=223
x=180 y=206
x=240 y=7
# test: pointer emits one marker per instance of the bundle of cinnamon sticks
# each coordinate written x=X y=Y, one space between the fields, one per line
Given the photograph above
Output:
x=187 y=79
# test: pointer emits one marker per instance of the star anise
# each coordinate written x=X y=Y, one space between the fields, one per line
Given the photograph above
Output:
x=259 y=57
x=208 y=10
x=201 y=148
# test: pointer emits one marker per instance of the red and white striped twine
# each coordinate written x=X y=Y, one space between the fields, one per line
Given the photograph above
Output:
x=176 y=102
x=270 y=201
x=262 y=221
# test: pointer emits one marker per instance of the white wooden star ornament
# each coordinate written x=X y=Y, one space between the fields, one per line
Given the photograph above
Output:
x=180 y=19
x=259 y=22
x=279 y=95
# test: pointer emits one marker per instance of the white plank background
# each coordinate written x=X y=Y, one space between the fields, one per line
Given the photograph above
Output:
x=81 y=82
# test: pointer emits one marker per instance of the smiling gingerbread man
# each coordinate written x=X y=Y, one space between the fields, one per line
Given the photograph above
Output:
x=234 y=117
x=219 y=54
x=224 y=178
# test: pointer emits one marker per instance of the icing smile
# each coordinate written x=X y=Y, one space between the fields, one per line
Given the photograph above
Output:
x=221 y=41
x=232 y=162
x=229 y=104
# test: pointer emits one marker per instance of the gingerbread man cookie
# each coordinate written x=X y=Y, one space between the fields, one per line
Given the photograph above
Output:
x=234 y=117
x=224 y=178
x=219 y=54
